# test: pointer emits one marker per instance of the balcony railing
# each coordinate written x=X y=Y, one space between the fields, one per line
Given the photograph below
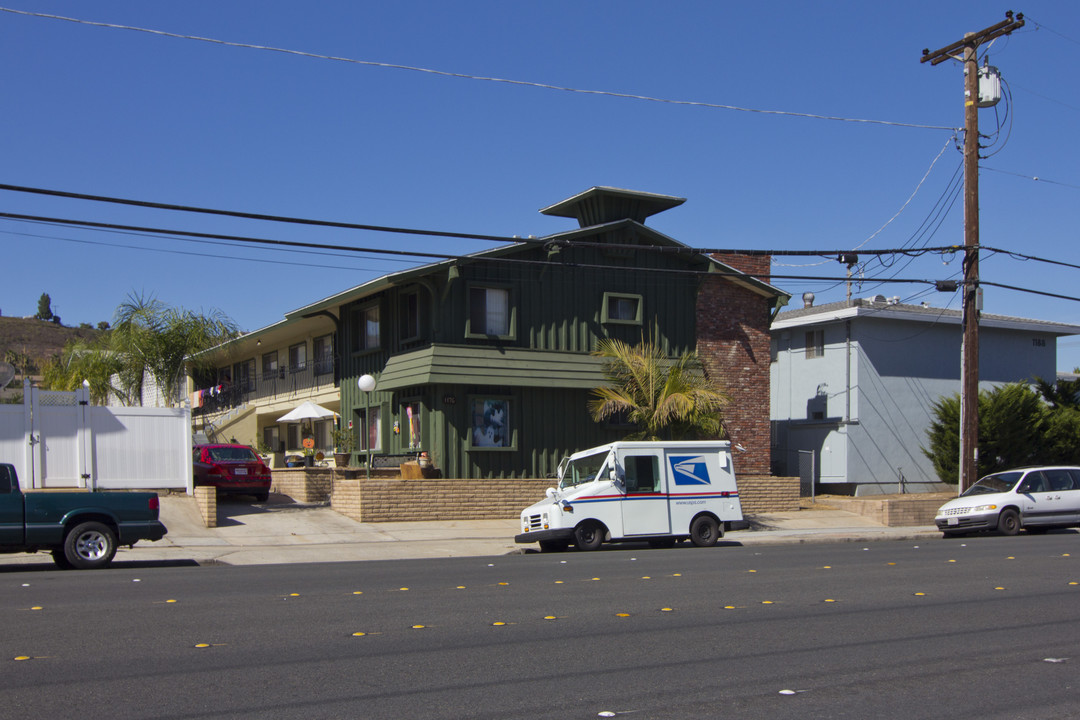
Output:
x=282 y=382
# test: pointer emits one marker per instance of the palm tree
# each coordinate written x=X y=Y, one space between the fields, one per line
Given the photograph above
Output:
x=155 y=339
x=660 y=395
x=148 y=338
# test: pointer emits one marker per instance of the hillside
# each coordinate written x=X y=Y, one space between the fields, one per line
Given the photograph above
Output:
x=38 y=339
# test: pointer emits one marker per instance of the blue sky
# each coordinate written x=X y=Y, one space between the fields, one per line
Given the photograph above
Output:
x=128 y=114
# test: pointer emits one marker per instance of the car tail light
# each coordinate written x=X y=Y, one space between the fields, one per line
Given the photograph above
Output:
x=219 y=471
x=154 y=503
x=262 y=469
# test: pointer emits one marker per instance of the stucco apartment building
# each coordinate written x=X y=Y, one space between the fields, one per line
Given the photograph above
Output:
x=853 y=384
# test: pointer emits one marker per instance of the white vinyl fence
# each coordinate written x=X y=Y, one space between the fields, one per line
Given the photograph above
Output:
x=57 y=439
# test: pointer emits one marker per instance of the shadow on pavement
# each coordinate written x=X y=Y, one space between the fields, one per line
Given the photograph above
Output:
x=230 y=508
x=47 y=565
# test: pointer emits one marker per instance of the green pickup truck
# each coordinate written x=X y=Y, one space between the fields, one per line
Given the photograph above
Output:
x=81 y=528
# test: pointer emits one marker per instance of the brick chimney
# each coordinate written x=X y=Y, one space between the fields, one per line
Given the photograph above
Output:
x=758 y=266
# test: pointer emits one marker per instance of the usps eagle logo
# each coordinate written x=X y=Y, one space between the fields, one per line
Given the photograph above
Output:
x=689 y=470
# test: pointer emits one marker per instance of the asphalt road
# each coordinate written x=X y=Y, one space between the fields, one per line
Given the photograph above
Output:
x=982 y=627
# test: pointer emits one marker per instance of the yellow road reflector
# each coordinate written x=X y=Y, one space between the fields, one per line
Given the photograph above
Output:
x=558 y=582
x=294 y=594
x=550 y=617
x=359 y=634
x=498 y=622
x=999 y=588
x=766 y=602
x=170 y=601
x=667 y=610
x=36 y=607
x=827 y=567
x=829 y=600
x=418 y=627
x=751 y=571
x=403 y=589
x=677 y=575
x=358 y=592
x=622 y=614
x=202 y=645
x=504 y=583
x=460 y=587
x=729 y=607
x=920 y=593
x=646 y=577
x=22 y=657
x=952 y=561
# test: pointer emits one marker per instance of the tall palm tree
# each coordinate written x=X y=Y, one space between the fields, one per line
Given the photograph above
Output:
x=664 y=397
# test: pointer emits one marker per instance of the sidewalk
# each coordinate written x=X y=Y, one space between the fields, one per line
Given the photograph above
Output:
x=281 y=531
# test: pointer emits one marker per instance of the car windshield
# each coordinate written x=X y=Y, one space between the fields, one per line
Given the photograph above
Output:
x=232 y=454
x=1000 y=482
x=582 y=469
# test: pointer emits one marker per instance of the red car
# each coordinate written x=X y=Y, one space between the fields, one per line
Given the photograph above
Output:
x=234 y=469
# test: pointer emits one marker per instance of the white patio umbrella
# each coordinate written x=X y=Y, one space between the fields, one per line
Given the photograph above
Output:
x=307 y=411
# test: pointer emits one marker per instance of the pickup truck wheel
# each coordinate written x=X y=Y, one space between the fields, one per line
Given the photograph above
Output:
x=704 y=531
x=90 y=545
x=1008 y=522
x=588 y=536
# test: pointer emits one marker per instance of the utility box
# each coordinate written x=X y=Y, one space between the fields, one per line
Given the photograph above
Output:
x=989 y=86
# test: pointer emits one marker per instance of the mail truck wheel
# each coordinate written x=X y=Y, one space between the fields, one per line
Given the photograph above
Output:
x=704 y=531
x=1008 y=522
x=90 y=545
x=588 y=536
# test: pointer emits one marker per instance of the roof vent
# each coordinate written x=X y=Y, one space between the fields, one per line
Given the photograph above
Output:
x=878 y=300
x=808 y=299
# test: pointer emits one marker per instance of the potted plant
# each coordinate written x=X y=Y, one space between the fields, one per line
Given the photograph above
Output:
x=264 y=450
x=344 y=440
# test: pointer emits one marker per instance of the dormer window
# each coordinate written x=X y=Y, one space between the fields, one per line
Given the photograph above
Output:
x=621 y=309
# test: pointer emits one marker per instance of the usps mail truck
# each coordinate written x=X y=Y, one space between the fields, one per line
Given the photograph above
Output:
x=660 y=492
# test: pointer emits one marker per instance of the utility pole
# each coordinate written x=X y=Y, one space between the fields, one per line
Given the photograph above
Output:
x=967 y=51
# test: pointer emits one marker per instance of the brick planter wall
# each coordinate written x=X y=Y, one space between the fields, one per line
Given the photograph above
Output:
x=397 y=500
x=306 y=485
x=383 y=500
x=768 y=493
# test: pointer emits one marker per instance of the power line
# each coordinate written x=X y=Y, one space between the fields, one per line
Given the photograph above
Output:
x=902 y=251
x=435 y=256
x=1036 y=178
x=466 y=76
x=255 y=216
